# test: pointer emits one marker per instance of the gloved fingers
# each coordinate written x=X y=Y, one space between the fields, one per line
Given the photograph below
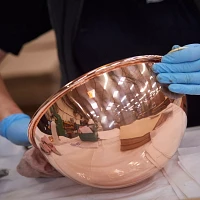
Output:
x=185 y=89
x=182 y=78
x=188 y=45
x=175 y=47
x=15 y=128
x=188 y=54
x=177 y=68
x=192 y=45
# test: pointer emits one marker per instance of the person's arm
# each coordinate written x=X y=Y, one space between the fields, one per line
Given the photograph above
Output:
x=2 y=55
x=16 y=32
x=13 y=122
x=7 y=105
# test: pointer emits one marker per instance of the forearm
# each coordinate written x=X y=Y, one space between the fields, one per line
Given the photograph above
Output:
x=2 y=55
x=7 y=105
x=13 y=123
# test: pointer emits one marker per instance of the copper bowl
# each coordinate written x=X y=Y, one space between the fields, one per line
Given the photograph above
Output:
x=112 y=127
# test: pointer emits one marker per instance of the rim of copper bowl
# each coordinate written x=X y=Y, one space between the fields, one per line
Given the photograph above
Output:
x=79 y=81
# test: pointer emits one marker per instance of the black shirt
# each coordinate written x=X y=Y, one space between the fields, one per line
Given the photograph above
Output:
x=22 y=21
x=108 y=30
x=113 y=30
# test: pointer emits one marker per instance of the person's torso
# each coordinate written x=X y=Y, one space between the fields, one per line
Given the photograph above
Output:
x=113 y=30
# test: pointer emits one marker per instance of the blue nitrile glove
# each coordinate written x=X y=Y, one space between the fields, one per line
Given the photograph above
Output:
x=181 y=70
x=15 y=128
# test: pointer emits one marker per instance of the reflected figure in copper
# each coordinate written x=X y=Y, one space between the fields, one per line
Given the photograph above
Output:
x=112 y=127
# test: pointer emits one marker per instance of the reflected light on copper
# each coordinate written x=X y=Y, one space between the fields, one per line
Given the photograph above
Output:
x=116 y=125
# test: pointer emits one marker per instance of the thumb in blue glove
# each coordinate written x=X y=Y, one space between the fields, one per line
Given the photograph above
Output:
x=15 y=128
x=181 y=70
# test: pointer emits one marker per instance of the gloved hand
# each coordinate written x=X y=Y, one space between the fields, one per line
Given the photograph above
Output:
x=181 y=70
x=15 y=128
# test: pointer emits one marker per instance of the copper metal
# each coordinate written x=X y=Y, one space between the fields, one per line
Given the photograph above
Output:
x=99 y=107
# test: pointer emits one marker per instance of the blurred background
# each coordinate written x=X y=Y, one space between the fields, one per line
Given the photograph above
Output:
x=33 y=75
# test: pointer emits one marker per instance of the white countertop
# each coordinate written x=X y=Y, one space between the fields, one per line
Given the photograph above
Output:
x=184 y=180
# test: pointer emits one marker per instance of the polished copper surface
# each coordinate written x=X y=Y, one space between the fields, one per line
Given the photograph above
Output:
x=105 y=128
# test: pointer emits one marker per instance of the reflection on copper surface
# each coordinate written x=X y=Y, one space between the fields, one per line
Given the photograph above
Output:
x=105 y=120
